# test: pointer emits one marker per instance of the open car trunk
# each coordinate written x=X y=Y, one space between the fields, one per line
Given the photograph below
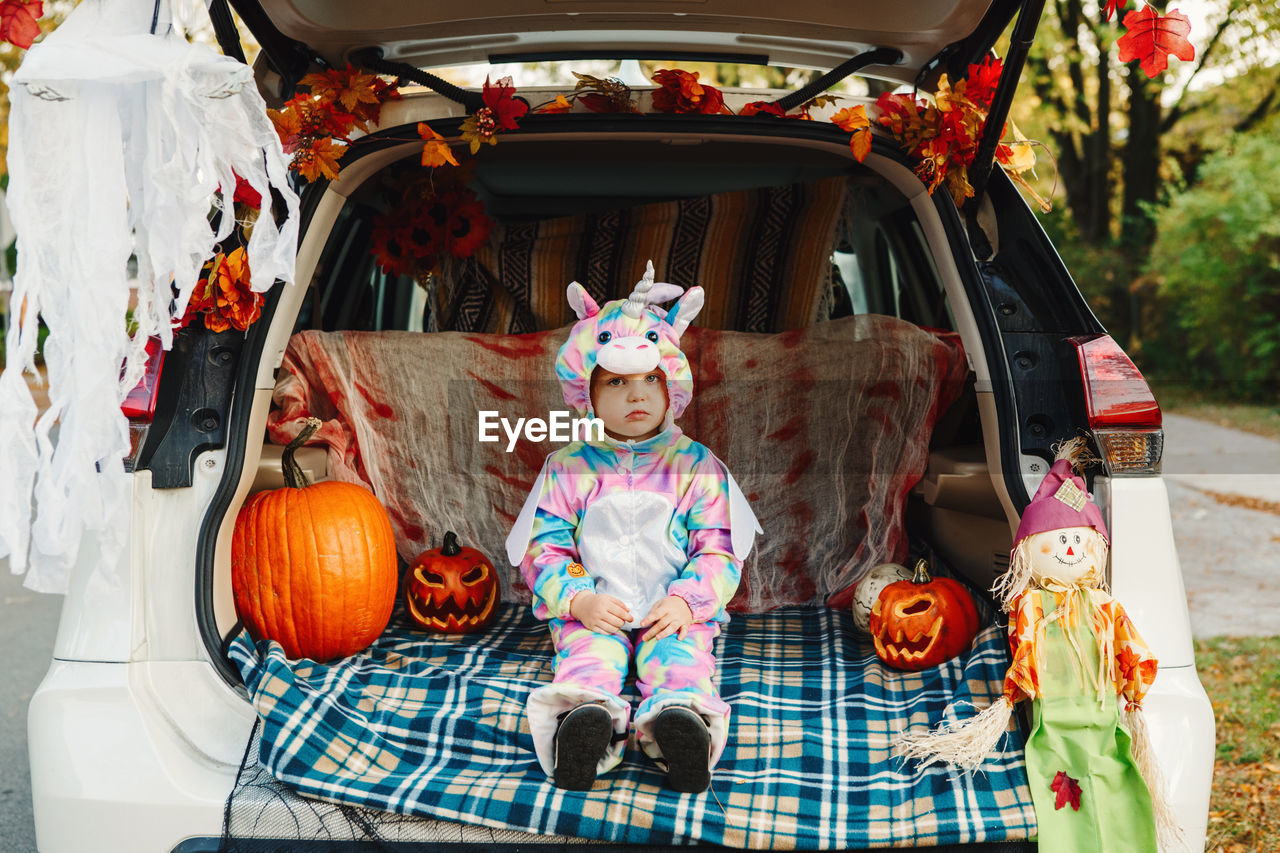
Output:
x=834 y=375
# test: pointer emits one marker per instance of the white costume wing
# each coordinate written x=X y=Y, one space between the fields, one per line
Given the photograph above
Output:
x=522 y=530
x=743 y=524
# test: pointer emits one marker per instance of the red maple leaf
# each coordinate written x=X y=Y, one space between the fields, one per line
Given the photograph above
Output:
x=982 y=81
x=18 y=21
x=507 y=109
x=1067 y=789
x=1151 y=37
x=1114 y=7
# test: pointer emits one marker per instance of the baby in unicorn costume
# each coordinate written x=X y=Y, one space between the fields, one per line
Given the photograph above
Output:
x=632 y=547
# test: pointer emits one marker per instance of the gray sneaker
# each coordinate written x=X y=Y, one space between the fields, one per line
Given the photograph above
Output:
x=584 y=735
x=685 y=742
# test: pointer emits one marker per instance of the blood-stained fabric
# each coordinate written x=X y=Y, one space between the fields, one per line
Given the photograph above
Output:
x=826 y=429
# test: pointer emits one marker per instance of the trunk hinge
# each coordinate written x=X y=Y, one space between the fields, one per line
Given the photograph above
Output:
x=288 y=57
x=877 y=56
x=370 y=58
x=1024 y=34
x=224 y=29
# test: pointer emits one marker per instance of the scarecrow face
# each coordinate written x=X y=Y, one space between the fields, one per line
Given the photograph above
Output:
x=1070 y=555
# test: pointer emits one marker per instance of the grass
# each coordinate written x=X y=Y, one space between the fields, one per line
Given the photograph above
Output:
x=1242 y=678
x=1216 y=407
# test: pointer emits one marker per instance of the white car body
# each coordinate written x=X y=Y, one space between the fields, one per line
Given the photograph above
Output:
x=136 y=740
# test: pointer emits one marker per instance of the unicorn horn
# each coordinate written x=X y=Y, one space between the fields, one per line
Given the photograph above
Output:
x=636 y=301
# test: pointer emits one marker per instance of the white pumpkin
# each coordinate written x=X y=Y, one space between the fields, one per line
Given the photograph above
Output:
x=869 y=588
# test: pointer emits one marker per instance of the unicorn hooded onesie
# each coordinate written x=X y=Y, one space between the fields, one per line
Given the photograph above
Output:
x=639 y=520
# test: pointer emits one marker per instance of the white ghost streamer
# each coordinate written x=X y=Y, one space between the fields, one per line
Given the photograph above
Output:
x=121 y=141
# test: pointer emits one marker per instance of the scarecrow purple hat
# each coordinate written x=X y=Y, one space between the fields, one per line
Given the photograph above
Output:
x=1061 y=501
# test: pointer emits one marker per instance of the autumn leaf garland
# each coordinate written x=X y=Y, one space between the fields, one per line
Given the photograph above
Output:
x=315 y=126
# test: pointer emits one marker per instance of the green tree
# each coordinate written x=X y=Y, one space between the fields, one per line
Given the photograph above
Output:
x=1120 y=138
x=1216 y=264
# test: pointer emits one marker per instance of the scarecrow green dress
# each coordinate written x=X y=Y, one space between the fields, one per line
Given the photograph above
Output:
x=1075 y=652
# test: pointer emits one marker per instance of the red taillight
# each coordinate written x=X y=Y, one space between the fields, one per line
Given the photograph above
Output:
x=1123 y=413
x=1115 y=394
x=139 y=405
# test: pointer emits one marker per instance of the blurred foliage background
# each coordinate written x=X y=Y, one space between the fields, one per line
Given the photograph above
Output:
x=1166 y=192
x=1167 y=189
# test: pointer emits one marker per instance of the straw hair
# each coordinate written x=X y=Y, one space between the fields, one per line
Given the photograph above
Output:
x=962 y=744
x=1076 y=451
x=1168 y=831
x=1017 y=578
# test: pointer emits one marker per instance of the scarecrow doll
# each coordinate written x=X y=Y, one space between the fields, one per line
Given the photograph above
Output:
x=1079 y=659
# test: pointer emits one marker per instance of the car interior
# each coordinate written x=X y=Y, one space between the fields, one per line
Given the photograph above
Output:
x=870 y=258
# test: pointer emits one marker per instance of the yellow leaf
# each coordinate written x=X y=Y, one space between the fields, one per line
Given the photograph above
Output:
x=436 y=151
x=860 y=143
x=851 y=119
x=559 y=105
x=1022 y=153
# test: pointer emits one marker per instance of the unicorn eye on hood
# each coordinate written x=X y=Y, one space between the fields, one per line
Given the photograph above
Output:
x=631 y=335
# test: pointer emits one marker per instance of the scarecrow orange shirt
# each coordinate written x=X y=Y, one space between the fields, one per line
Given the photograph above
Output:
x=1125 y=662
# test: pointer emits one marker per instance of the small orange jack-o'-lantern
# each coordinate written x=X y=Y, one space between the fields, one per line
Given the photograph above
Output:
x=922 y=622
x=451 y=589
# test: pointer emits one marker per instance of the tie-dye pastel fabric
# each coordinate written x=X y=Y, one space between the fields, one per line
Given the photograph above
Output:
x=637 y=520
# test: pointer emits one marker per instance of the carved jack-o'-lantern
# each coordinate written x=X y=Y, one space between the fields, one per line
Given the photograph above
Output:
x=922 y=622
x=452 y=589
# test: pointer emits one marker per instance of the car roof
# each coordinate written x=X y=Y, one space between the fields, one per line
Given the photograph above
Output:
x=804 y=33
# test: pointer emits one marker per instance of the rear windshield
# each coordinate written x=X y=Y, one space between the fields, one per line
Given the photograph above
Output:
x=780 y=237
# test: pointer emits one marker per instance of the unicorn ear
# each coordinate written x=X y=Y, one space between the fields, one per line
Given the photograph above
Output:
x=683 y=312
x=663 y=292
x=581 y=302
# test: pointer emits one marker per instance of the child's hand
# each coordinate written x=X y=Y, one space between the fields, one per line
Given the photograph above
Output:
x=600 y=613
x=670 y=615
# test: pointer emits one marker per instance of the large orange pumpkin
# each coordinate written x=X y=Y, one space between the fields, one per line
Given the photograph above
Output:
x=313 y=567
x=922 y=622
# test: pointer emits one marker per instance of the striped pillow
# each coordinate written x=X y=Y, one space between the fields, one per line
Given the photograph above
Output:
x=763 y=256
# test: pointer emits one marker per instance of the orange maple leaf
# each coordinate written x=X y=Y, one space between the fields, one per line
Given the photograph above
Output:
x=851 y=119
x=1152 y=37
x=436 y=151
x=287 y=127
x=319 y=159
x=348 y=87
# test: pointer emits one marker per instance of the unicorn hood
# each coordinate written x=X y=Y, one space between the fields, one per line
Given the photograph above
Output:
x=631 y=335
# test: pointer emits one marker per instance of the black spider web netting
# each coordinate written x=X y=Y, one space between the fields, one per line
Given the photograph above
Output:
x=262 y=809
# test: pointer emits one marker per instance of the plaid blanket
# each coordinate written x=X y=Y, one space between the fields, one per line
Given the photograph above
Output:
x=435 y=727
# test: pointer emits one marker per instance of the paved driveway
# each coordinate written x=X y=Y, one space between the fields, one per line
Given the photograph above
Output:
x=1224 y=493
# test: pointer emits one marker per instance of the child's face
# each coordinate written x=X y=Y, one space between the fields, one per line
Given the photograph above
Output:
x=632 y=405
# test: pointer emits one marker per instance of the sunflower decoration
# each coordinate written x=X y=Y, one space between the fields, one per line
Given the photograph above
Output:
x=431 y=218
x=467 y=227
x=391 y=244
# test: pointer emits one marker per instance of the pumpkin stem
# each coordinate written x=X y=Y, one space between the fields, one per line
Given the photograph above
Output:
x=921 y=572
x=450 y=548
x=294 y=478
